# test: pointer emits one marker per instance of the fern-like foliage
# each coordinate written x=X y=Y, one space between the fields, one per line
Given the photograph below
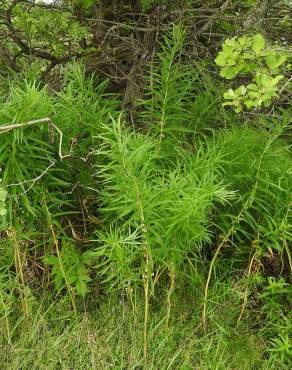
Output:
x=260 y=172
x=168 y=107
x=81 y=106
x=21 y=148
x=167 y=210
x=181 y=101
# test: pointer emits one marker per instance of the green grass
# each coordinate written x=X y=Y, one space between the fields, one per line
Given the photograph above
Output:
x=111 y=337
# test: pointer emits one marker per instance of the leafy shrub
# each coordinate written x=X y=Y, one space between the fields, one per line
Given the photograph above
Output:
x=250 y=56
x=45 y=27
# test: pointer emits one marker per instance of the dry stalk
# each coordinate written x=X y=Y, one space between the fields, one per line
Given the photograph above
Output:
x=51 y=127
x=246 y=287
x=19 y=272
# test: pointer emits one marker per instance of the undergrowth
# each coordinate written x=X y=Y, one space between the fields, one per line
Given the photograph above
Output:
x=178 y=228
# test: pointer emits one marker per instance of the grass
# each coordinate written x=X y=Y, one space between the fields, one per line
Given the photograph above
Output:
x=111 y=336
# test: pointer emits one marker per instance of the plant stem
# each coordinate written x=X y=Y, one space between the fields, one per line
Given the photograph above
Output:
x=146 y=312
x=246 y=287
x=169 y=293
x=19 y=270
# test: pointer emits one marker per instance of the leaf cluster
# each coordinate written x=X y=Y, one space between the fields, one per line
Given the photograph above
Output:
x=250 y=56
x=69 y=269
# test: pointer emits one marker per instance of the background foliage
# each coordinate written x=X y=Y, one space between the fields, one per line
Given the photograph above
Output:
x=145 y=221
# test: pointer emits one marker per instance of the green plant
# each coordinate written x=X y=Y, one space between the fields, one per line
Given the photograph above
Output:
x=146 y=4
x=282 y=345
x=162 y=205
x=277 y=297
x=169 y=105
x=263 y=191
x=250 y=56
x=275 y=294
x=69 y=269
x=168 y=210
x=185 y=207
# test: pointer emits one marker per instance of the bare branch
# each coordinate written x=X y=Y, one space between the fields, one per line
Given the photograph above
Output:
x=222 y=8
x=51 y=125
x=33 y=181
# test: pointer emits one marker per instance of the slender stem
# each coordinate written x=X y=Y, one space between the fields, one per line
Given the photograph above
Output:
x=146 y=250
x=6 y=318
x=204 y=314
x=70 y=290
x=169 y=293
x=51 y=127
x=19 y=269
x=23 y=124
x=56 y=244
x=146 y=313
x=246 y=287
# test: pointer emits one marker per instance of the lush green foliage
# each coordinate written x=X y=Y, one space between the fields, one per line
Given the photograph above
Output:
x=160 y=237
x=251 y=56
x=166 y=209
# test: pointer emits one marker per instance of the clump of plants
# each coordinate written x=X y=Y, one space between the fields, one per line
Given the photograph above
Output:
x=259 y=64
x=168 y=213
